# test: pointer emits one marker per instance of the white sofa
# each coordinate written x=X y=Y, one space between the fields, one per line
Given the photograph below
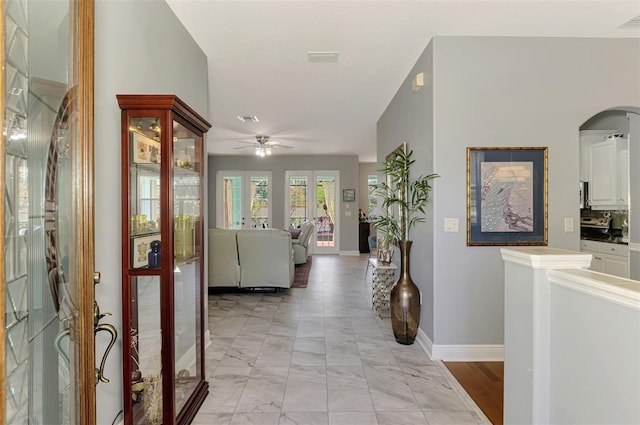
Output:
x=250 y=258
x=301 y=245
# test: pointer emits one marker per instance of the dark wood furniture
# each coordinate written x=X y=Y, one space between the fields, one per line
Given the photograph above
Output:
x=363 y=236
x=162 y=259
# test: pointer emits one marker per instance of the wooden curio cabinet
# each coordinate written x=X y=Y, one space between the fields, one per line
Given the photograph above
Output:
x=162 y=260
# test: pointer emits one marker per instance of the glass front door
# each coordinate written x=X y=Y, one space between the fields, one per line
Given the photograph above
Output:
x=244 y=200
x=47 y=213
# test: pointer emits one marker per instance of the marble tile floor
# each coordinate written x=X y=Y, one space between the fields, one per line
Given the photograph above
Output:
x=320 y=356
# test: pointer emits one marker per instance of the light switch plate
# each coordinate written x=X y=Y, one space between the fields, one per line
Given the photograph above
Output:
x=568 y=224
x=451 y=225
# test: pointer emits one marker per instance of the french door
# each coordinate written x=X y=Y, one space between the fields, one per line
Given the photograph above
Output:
x=46 y=217
x=243 y=199
x=313 y=196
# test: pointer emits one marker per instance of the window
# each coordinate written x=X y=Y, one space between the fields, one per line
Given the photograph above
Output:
x=149 y=187
x=372 y=182
x=259 y=202
x=298 y=199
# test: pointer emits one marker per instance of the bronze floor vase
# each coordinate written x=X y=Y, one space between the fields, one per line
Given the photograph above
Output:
x=405 y=301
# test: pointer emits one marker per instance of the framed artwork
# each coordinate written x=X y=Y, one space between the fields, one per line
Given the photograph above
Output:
x=348 y=195
x=507 y=196
x=140 y=249
x=145 y=150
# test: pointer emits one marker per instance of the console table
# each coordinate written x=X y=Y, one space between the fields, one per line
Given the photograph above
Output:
x=383 y=278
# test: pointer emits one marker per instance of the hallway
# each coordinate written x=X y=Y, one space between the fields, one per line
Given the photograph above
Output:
x=319 y=355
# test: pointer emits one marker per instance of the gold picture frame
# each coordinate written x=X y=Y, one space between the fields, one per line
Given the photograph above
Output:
x=140 y=249
x=507 y=196
x=144 y=150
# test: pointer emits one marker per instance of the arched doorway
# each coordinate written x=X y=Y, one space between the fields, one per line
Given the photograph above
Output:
x=624 y=217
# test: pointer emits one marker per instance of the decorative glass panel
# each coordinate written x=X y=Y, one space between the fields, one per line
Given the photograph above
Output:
x=187 y=249
x=325 y=210
x=146 y=349
x=298 y=199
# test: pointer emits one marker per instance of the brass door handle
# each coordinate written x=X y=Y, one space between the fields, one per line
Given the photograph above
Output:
x=114 y=335
x=111 y=330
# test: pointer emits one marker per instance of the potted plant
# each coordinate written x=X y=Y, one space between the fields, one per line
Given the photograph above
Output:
x=403 y=206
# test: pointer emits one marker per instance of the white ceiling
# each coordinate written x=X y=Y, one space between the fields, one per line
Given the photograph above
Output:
x=257 y=55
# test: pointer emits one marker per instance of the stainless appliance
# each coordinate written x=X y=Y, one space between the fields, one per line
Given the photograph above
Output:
x=595 y=228
x=584 y=195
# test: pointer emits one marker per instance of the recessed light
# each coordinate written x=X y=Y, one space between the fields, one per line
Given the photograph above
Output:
x=245 y=118
x=322 y=56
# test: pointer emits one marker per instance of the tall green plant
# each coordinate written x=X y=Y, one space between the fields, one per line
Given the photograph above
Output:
x=408 y=197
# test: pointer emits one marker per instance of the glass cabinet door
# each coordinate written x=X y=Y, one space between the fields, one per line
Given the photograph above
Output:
x=187 y=148
x=144 y=190
x=146 y=346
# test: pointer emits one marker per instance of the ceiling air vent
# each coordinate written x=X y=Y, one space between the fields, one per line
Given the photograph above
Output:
x=322 y=56
x=632 y=23
x=247 y=118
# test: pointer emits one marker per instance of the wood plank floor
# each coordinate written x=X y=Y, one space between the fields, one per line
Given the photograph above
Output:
x=484 y=381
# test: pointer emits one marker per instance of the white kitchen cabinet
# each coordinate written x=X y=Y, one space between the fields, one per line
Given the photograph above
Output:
x=603 y=189
x=608 y=258
x=597 y=262
x=608 y=174
x=588 y=138
x=623 y=177
x=615 y=265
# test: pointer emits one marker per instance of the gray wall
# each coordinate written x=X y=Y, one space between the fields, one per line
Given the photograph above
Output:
x=489 y=91
x=409 y=118
x=278 y=164
x=155 y=54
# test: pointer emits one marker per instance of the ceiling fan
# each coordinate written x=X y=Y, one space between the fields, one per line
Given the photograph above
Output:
x=263 y=145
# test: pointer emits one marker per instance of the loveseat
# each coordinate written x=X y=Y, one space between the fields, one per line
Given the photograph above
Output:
x=301 y=244
x=250 y=258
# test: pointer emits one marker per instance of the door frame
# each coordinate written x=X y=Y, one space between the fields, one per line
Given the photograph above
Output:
x=81 y=18
x=3 y=353
x=312 y=175
x=245 y=175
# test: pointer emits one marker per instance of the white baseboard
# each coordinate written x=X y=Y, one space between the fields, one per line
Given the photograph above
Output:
x=460 y=353
x=424 y=342
x=350 y=253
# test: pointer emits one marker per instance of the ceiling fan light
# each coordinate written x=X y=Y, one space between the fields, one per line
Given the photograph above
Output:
x=268 y=150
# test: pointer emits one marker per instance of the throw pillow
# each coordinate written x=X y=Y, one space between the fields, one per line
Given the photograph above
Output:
x=294 y=233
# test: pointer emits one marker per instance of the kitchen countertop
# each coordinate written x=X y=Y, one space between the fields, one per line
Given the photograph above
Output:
x=617 y=241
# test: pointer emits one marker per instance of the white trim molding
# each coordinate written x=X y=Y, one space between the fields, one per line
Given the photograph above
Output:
x=460 y=353
x=350 y=253
x=424 y=342
x=610 y=288
x=546 y=258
